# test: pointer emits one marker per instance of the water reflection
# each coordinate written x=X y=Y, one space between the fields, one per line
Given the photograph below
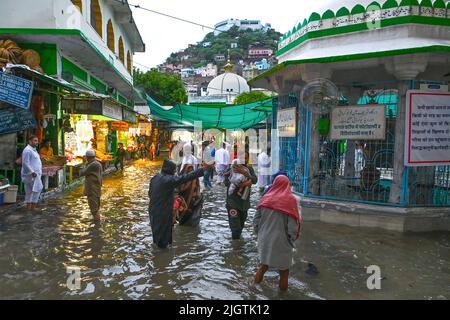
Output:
x=118 y=260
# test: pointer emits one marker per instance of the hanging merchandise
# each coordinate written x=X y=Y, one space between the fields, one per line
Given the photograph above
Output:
x=67 y=126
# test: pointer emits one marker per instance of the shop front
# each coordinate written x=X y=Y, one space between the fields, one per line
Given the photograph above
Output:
x=88 y=125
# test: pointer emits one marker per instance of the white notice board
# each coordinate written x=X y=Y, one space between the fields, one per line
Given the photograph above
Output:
x=363 y=122
x=287 y=123
x=427 y=132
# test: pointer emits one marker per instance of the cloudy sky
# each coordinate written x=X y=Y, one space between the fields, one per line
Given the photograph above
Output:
x=163 y=35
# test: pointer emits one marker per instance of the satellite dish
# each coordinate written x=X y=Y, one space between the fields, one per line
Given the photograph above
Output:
x=67 y=76
x=320 y=96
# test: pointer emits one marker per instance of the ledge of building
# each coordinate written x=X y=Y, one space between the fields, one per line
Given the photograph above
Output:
x=354 y=214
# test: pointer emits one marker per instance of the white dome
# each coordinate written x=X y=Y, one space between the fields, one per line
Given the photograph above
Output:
x=227 y=83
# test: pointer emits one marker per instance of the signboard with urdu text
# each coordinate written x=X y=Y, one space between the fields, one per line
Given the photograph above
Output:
x=287 y=123
x=362 y=122
x=427 y=132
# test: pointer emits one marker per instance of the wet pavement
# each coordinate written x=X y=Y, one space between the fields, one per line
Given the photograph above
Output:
x=118 y=261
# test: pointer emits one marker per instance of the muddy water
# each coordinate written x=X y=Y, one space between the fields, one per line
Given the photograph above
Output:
x=118 y=261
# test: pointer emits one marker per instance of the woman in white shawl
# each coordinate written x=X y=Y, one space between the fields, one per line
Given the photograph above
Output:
x=188 y=158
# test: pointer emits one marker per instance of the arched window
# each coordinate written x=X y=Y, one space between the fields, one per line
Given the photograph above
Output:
x=110 y=36
x=121 y=51
x=96 y=17
x=129 y=62
x=79 y=4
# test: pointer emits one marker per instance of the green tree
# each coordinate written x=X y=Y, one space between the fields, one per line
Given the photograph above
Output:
x=166 y=89
x=249 y=97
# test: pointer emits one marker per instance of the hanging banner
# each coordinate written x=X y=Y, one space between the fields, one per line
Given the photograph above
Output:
x=427 y=128
x=120 y=126
x=15 y=90
x=287 y=123
x=13 y=119
x=363 y=122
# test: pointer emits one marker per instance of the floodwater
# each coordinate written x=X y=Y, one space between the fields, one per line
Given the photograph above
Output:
x=118 y=261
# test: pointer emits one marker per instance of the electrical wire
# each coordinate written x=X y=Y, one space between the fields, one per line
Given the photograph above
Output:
x=137 y=6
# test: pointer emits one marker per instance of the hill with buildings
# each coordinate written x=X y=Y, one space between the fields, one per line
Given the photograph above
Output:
x=250 y=46
x=247 y=44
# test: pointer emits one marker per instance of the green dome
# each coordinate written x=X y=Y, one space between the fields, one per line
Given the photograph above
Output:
x=440 y=4
x=405 y=3
x=389 y=4
x=374 y=4
x=314 y=17
x=342 y=12
x=329 y=14
x=358 y=9
x=426 y=3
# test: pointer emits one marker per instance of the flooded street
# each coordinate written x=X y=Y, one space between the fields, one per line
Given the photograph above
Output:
x=118 y=261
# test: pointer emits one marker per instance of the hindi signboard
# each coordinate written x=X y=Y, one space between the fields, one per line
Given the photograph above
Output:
x=363 y=122
x=427 y=128
x=287 y=123
x=15 y=90
x=13 y=119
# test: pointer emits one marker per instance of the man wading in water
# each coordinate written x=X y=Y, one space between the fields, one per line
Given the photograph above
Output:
x=237 y=206
x=161 y=195
x=93 y=183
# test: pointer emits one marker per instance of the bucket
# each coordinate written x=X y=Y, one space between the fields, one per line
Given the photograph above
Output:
x=11 y=195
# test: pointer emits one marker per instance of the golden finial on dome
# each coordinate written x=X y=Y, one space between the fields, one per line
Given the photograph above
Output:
x=229 y=66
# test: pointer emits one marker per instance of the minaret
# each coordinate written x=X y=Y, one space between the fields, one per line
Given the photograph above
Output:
x=229 y=66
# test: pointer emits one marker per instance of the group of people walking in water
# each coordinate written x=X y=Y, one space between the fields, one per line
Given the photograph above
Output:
x=175 y=197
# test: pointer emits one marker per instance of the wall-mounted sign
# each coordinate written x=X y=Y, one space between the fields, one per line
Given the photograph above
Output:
x=363 y=122
x=15 y=90
x=427 y=128
x=120 y=126
x=93 y=107
x=13 y=119
x=111 y=110
x=287 y=123
x=129 y=116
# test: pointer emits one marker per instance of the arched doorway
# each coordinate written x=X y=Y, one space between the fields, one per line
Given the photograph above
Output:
x=110 y=36
x=129 y=62
x=96 y=17
x=79 y=4
x=121 y=50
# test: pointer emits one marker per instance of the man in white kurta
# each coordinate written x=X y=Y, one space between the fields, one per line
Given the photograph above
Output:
x=222 y=163
x=32 y=173
x=263 y=169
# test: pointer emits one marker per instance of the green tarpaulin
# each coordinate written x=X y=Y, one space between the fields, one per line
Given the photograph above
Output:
x=225 y=117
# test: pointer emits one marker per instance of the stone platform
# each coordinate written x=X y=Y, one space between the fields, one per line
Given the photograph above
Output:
x=353 y=214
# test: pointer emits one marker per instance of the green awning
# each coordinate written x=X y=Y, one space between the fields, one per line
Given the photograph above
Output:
x=225 y=117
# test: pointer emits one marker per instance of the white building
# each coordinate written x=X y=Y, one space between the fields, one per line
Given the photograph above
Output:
x=242 y=24
x=95 y=39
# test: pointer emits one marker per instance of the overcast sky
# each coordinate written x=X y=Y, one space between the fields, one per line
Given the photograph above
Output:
x=163 y=35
